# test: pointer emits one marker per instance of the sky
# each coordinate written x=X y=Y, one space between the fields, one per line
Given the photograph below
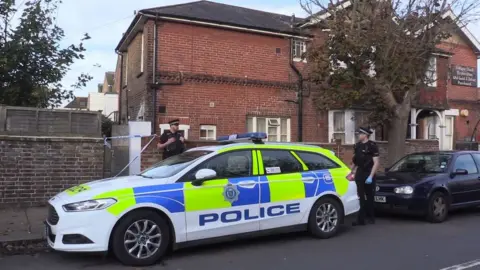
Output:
x=106 y=20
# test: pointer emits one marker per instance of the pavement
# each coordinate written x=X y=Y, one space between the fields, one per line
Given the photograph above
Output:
x=395 y=242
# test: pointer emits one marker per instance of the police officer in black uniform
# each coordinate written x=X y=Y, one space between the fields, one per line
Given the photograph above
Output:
x=172 y=141
x=365 y=165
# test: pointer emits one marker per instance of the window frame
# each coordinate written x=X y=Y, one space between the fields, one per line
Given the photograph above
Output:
x=184 y=178
x=337 y=166
x=350 y=126
x=303 y=48
x=207 y=128
x=278 y=150
x=432 y=70
x=267 y=125
x=185 y=129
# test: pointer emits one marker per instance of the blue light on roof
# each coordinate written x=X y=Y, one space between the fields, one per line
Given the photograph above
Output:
x=243 y=136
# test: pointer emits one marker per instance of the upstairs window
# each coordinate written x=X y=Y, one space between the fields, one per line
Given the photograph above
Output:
x=431 y=76
x=299 y=48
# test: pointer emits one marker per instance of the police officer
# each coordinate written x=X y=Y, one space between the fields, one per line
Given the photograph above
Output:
x=171 y=141
x=365 y=165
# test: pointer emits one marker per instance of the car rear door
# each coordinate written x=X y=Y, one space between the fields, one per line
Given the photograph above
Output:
x=476 y=157
x=464 y=187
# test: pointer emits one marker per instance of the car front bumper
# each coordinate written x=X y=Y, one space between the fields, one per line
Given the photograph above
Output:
x=401 y=203
x=79 y=231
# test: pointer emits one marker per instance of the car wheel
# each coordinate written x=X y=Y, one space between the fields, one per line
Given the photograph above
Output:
x=437 y=211
x=141 y=238
x=325 y=218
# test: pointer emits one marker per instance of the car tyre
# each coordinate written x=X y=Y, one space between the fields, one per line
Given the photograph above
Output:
x=437 y=211
x=141 y=238
x=325 y=218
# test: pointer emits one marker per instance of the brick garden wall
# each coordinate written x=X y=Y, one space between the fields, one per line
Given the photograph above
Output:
x=33 y=169
x=151 y=155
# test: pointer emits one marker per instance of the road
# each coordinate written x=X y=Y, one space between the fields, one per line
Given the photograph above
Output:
x=393 y=243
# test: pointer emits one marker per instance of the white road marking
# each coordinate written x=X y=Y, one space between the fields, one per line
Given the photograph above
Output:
x=462 y=266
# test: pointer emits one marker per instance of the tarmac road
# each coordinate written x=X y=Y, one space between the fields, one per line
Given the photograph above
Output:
x=393 y=243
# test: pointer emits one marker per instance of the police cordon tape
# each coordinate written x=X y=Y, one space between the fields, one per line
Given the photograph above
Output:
x=130 y=137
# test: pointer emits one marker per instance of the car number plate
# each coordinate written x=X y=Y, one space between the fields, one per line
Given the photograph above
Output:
x=380 y=199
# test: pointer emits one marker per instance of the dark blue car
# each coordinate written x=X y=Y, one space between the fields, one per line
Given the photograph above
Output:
x=430 y=184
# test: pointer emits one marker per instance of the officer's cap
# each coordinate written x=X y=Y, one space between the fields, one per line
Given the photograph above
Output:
x=175 y=122
x=364 y=130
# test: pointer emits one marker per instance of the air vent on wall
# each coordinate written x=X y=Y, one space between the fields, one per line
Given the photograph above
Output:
x=162 y=109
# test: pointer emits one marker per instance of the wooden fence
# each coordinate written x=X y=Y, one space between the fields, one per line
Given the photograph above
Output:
x=44 y=122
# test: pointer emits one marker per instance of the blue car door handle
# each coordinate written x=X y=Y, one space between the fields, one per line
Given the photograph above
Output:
x=247 y=184
x=308 y=180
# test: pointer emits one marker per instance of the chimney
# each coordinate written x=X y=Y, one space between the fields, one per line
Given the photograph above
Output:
x=292 y=20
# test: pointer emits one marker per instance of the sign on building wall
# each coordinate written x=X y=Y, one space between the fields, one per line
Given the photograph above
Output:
x=464 y=76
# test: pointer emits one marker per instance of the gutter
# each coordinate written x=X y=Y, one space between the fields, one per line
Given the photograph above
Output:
x=121 y=90
x=299 y=94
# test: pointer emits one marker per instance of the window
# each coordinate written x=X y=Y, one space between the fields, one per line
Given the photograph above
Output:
x=142 y=48
x=279 y=161
x=277 y=129
x=423 y=163
x=465 y=162
x=342 y=125
x=477 y=158
x=299 y=48
x=232 y=164
x=171 y=166
x=339 y=126
x=431 y=76
x=449 y=125
x=432 y=128
x=316 y=162
x=182 y=129
x=208 y=132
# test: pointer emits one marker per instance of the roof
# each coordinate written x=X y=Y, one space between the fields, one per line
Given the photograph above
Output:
x=78 y=103
x=227 y=14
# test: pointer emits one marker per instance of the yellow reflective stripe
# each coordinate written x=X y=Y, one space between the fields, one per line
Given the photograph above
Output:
x=304 y=166
x=208 y=196
x=286 y=187
x=125 y=199
x=255 y=163
x=75 y=190
x=339 y=177
x=261 y=170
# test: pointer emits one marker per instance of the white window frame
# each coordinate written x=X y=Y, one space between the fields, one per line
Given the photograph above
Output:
x=142 y=51
x=350 y=137
x=185 y=128
x=209 y=128
x=303 y=44
x=432 y=71
x=270 y=122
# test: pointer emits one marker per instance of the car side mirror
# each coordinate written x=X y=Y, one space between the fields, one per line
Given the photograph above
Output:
x=387 y=169
x=203 y=175
x=459 y=172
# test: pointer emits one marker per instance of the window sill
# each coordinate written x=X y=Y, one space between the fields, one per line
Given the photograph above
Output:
x=296 y=59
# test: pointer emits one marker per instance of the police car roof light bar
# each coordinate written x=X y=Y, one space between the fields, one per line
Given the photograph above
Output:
x=255 y=137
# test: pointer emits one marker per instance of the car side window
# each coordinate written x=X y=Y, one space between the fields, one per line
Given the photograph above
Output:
x=465 y=162
x=316 y=162
x=229 y=165
x=279 y=161
x=477 y=159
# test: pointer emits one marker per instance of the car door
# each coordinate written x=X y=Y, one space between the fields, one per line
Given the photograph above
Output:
x=282 y=191
x=463 y=187
x=228 y=204
x=476 y=157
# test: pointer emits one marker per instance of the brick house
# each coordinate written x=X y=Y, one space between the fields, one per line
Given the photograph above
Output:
x=224 y=69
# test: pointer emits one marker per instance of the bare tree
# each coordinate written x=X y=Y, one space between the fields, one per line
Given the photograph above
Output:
x=375 y=53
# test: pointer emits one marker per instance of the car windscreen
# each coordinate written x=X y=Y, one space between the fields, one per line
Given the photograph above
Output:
x=423 y=163
x=173 y=165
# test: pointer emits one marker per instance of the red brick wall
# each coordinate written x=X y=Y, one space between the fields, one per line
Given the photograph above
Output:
x=33 y=169
x=344 y=152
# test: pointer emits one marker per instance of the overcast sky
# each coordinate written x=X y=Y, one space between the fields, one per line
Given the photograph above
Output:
x=106 y=20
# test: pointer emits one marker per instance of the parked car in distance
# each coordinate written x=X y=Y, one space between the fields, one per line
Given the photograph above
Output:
x=430 y=184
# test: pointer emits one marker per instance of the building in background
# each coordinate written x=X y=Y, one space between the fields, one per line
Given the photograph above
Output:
x=223 y=69
x=78 y=103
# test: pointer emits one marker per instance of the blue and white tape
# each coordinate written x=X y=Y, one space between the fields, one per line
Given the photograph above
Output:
x=125 y=137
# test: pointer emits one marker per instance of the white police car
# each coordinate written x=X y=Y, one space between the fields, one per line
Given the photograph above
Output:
x=208 y=192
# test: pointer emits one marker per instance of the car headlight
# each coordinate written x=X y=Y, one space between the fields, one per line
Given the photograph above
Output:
x=89 y=205
x=404 y=190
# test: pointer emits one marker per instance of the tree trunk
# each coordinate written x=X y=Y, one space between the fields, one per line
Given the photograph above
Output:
x=397 y=134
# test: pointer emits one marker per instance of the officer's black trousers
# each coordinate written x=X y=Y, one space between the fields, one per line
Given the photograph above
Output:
x=366 y=193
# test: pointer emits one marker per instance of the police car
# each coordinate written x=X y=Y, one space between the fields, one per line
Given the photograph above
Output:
x=205 y=193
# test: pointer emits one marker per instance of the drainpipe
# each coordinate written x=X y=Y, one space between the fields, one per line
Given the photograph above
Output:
x=121 y=90
x=299 y=94
x=154 y=74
